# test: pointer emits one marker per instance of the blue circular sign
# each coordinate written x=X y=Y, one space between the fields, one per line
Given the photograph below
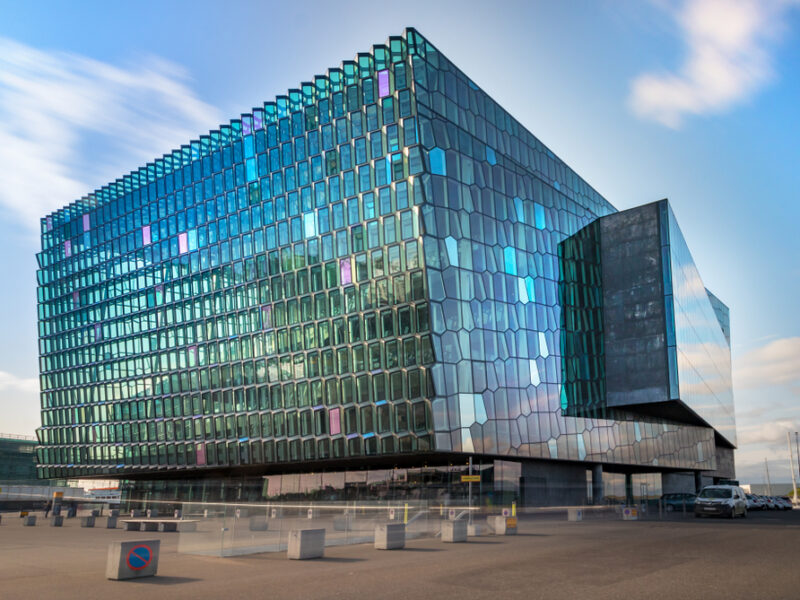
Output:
x=139 y=557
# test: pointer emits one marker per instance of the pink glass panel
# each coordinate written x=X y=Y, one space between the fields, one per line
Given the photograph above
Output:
x=266 y=316
x=201 y=454
x=146 y=234
x=76 y=299
x=68 y=248
x=183 y=243
x=86 y=225
x=346 y=271
x=383 y=83
x=335 y=426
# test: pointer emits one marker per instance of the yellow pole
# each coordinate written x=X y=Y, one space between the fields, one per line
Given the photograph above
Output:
x=405 y=514
x=513 y=509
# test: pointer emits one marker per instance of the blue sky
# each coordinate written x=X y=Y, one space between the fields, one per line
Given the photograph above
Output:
x=695 y=101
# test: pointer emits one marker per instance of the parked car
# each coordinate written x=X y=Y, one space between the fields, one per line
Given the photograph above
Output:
x=755 y=502
x=677 y=501
x=769 y=503
x=784 y=503
x=722 y=500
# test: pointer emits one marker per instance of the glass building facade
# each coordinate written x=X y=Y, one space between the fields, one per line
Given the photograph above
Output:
x=362 y=272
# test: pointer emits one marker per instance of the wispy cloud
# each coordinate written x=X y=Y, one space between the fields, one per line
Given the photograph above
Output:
x=727 y=59
x=69 y=124
x=776 y=363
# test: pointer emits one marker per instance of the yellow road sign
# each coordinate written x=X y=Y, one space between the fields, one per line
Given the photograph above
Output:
x=466 y=478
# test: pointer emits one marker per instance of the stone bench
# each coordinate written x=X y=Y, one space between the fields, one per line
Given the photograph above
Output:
x=503 y=525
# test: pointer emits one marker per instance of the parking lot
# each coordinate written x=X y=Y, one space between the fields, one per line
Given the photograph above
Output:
x=677 y=557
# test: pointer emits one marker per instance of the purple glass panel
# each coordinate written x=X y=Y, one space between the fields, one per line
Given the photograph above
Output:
x=335 y=425
x=76 y=299
x=266 y=316
x=98 y=332
x=383 y=83
x=68 y=248
x=201 y=454
x=246 y=128
x=49 y=223
x=183 y=243
x=146 y=235
x=258 y=122
x=346 y=271
x=86 y=225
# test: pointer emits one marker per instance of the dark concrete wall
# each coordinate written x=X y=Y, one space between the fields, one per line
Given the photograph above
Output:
x=549 y=483
x=633 y=308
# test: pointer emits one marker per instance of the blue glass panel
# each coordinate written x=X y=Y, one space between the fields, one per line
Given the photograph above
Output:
x=538 y=214
x=510 y=256
x=437 y=160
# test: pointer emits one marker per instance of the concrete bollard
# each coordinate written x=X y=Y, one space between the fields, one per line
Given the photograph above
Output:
x=29 y=521
x=87 y=521
x=454 y=531
x=258 y=524
x=111 y=522
x=306 y=543
x=390 y=536
x=152 y=513
x=114 y=512
x=177 y=513
x=129 y=560
x=574 y=514
x=503 y=525
x=56 y=521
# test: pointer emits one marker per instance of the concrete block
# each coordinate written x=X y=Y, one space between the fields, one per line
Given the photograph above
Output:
x=152 y=513
x=177 y=513
x=56 y=510
x=258 y=524
x=87 y=521
x=132 y=526
x=111 y=522
x=630 y=513
x=96 y=512
x=476 y=529
x=168 y=526
x=574 y=514
x=390 y=536
x=306 y=543
x=29 y=521
x=454 y=531
x=114 y=512
x=149 y=525
x=503 y=525
x=56 y=521
x=312 y=513
x=129 y=560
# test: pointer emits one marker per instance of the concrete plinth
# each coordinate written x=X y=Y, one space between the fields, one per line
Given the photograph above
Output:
x=111 y=522
x=574 y=514
x=503 y=525
x=454 y=531
x=476 y=529
x=56 y=521
x=29 y=521
x=132 y=526
x=306 y=543
x=390 y=536
x=87 y=521
x=129 y=560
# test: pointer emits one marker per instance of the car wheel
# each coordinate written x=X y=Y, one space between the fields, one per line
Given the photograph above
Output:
x=733 y=512
x=744 y=514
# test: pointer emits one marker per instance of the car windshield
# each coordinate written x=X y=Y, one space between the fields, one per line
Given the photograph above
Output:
x=715 y=493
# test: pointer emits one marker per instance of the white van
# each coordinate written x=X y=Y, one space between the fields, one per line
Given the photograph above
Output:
x=721 y=500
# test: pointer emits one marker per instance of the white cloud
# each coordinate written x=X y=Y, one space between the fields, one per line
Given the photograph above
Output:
x=776 y=363
x=69 y=124
x=728 y=60
x=11 y=383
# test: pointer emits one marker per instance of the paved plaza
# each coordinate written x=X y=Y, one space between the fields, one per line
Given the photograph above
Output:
x=598 y=559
